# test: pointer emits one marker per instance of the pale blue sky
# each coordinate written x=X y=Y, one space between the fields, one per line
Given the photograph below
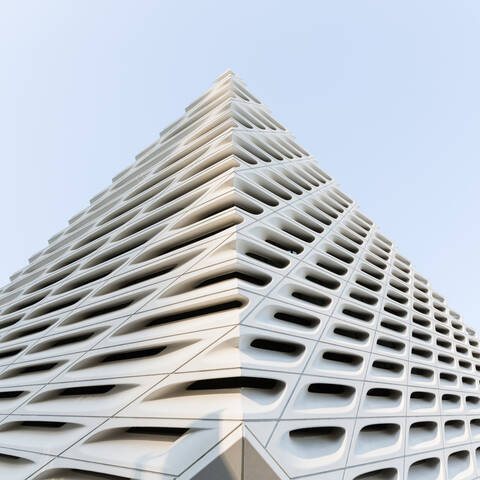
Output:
x=384 y=93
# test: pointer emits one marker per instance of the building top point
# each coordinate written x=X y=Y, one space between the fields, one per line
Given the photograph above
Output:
x=225 y=74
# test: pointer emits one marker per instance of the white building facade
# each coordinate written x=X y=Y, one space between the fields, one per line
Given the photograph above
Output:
x=224 y=311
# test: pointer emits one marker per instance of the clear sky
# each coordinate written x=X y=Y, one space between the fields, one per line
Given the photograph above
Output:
x=386 y=95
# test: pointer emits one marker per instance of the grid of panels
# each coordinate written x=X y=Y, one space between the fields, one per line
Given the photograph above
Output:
x=223 y=291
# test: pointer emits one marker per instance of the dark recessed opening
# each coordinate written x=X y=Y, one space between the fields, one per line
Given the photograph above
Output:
x=227 y=383
x=276 y=346
x=389 y=366
x=343 y=358
x=331 y=389
x=363 y=297
x=422 y=372
x=160 y=431
x=392 y=344
x=10 y=353
x=198 y=312
x=304 y=321
x=358 y=314
x=324 y=281
x=11 y=394
x=86 y=390
x=354 y=334
x=396 y=327
x=320 y=300
x=332 y=267
x=274 y=261
x=132 y=354
x=256 y=279
x=40 y=424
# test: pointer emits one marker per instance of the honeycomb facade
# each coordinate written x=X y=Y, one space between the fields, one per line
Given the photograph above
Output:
x=224 y=311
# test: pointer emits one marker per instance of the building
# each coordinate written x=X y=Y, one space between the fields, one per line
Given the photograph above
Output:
x=223 y=311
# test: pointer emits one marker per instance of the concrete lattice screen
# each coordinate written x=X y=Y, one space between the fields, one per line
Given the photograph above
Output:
x=223 y=311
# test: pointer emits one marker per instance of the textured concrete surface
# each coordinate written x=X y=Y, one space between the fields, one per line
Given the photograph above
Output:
x=224 y=311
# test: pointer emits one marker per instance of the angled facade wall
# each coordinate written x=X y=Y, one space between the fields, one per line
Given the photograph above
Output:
x=224 y=311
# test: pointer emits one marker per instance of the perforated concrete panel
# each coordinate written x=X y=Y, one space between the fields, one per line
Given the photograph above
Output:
x=224 y=311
